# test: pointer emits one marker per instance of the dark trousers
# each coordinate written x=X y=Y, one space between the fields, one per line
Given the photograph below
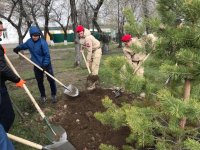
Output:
x=39 y=75
x=7 y=114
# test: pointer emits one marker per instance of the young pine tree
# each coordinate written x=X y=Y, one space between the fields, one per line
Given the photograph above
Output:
x=170 y=119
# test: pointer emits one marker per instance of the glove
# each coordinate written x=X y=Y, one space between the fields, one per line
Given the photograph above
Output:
x=20 y=83
x=44 y=68
x=16 y=50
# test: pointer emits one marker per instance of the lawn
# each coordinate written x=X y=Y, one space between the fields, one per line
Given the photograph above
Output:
x=31 y=126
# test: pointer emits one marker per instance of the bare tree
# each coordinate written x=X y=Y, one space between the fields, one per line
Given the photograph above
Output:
x=121 y=19
x=34 y=8
x=95 y=15
x=60 y=14
x=84 y=14
x=86 y=10
x=144 y=10
x=47 y=8
x=13 y=11
x=74 y=24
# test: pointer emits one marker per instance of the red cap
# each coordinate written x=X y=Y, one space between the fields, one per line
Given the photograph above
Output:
x=126 y=38
x=79 y=28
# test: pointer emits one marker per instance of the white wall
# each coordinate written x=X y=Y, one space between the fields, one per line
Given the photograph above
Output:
x=11 y=34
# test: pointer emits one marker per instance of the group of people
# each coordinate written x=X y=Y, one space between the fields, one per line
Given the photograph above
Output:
x=6 y=110
x=40 y=55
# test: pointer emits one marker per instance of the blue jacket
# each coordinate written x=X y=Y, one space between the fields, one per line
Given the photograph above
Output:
x=39 y=49
x=5 y=143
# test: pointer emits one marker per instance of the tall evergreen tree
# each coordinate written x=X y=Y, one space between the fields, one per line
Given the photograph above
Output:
x=168 y=118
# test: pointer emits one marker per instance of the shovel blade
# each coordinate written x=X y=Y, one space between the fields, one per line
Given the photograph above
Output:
x=60 y=136
x=63 y=145
x=71 y=91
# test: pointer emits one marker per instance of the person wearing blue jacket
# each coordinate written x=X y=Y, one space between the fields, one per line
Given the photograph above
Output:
x=5 y=143
x=40 y=55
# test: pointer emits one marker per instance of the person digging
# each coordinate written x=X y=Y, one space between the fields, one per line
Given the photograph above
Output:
x=94 y=53
x=133 y=58
x=7 y=114
x=40 y=55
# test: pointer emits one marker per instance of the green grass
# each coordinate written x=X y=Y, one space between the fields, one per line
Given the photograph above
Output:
x=32 y=128
x=61 y=46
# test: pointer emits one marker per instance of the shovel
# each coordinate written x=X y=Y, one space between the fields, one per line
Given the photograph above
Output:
x=69 y=90
x=140 y=64
x=59 y=133
x=64 y=145
x=87 y=65
x=86 y=62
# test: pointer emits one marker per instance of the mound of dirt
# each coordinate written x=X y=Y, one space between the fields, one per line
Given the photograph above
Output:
x=83 y=130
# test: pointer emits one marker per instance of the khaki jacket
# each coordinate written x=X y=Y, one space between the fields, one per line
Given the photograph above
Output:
x=131 y=55
x=90 y=43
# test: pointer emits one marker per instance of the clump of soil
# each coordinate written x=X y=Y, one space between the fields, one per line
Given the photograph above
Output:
x=83 y=130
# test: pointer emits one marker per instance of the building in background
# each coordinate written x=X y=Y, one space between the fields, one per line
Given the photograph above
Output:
x=10 y=35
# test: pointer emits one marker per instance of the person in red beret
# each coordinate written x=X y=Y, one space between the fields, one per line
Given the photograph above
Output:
x=94 y=53
x=132 y=57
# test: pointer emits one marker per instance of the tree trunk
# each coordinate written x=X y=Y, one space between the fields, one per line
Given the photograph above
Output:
x=86 y=16
x=94 y=19
x=46 y=19
x=65 y=29
x=20 y=36
x=65 y=37
x=78 y=58
x=146 y=14
x=74 y=22
x=121 y=31
x=187 y=89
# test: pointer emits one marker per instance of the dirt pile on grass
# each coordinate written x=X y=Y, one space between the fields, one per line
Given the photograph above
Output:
x=84 y=131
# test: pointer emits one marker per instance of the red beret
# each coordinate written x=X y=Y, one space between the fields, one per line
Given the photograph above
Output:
x=79 y=28
x=126 y=38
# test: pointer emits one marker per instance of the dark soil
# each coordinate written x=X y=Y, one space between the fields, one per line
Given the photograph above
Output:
x=83 y=130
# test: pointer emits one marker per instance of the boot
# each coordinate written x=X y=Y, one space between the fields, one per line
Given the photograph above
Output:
x=43 y=99
x=92 y=82
x=91 y=87
x=53 y=99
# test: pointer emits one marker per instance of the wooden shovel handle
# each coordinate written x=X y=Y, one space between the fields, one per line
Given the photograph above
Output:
x=140 y=64
x=42 y=70
x=87 y=65
x=23 y=141
x=25 y=88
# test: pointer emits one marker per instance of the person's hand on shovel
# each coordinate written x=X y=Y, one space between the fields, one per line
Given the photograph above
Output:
x=81 y=50
x=44 y=68
x=20 y=83
x=16 y=50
